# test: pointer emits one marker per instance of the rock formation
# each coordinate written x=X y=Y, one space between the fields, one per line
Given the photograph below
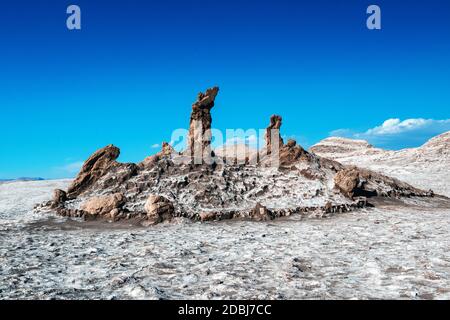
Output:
x=199 y=138
x=160 y=188
x=95 y=167
x=422 y=166
x=273 y=137
x=103 y=205
x=158 y=208
x=59 y=197
x=291 y=152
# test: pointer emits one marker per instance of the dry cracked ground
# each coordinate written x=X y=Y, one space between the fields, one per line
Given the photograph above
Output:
x=396 y=251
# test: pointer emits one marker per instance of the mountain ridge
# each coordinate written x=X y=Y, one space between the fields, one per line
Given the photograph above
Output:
x=426 y=166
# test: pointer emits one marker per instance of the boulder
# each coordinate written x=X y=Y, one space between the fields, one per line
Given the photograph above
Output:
x=261 y=213
x=159 y=208
x=103 y=205
x=94 y=168
x=346 y=181
x=59 y=198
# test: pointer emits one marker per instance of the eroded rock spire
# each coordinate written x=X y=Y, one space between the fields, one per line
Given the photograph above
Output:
x=199 y=139
x=273 y=137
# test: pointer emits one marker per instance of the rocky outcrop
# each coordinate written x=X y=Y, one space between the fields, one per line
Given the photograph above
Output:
x=159 y=208
x=351 y=182
x=199 y=138
x=95 y=167
x=291 y=153
x=103 y=205
x=166 y=150
x=299 y=182
x=273 y=137
x=421 y=167
x=358 y=182
x=59 y=198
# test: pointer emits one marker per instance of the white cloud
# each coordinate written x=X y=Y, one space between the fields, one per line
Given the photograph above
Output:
x=396 y=126
x=69 y=169
x=395 y=133
x=154 y=146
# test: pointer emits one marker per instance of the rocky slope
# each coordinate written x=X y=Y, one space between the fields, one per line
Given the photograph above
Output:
x=425 y=167
x=197 y=184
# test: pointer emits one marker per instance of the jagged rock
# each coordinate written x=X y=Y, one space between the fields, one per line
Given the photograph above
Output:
x=166 y=150
x=159 y=208
x=302 y=182
x=289 y=153
x=291 y=143
x=292 y=152
x=261 y=213
x=59 y=198
x=103 y=204
x=199 y=138
x=95 y=167
x=273 y=132
x=150 y=161
x=347 y=181
x=353 y=182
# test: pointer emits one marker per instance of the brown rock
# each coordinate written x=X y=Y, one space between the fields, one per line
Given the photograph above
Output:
x=348 y=181
x=261 y=213
x=208 y=216
x=159 y=208
x=114 y=213
x=103 y=204
x=150 y=161
x=167 y=150
x=199 y=138
x=291 y=143
x=59 y=197
x=292 y=152
x=273 y=132
x=95 y=167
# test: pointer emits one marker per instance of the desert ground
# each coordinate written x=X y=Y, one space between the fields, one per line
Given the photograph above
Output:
x=398 y=250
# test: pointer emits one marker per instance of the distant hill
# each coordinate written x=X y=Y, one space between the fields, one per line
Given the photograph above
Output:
x=22 y=179
x=426 y=167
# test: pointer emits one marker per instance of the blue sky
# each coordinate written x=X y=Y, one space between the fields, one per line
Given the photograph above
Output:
x=131 y=74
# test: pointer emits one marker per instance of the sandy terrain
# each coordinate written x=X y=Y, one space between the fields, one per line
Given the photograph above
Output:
x=395 y=251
